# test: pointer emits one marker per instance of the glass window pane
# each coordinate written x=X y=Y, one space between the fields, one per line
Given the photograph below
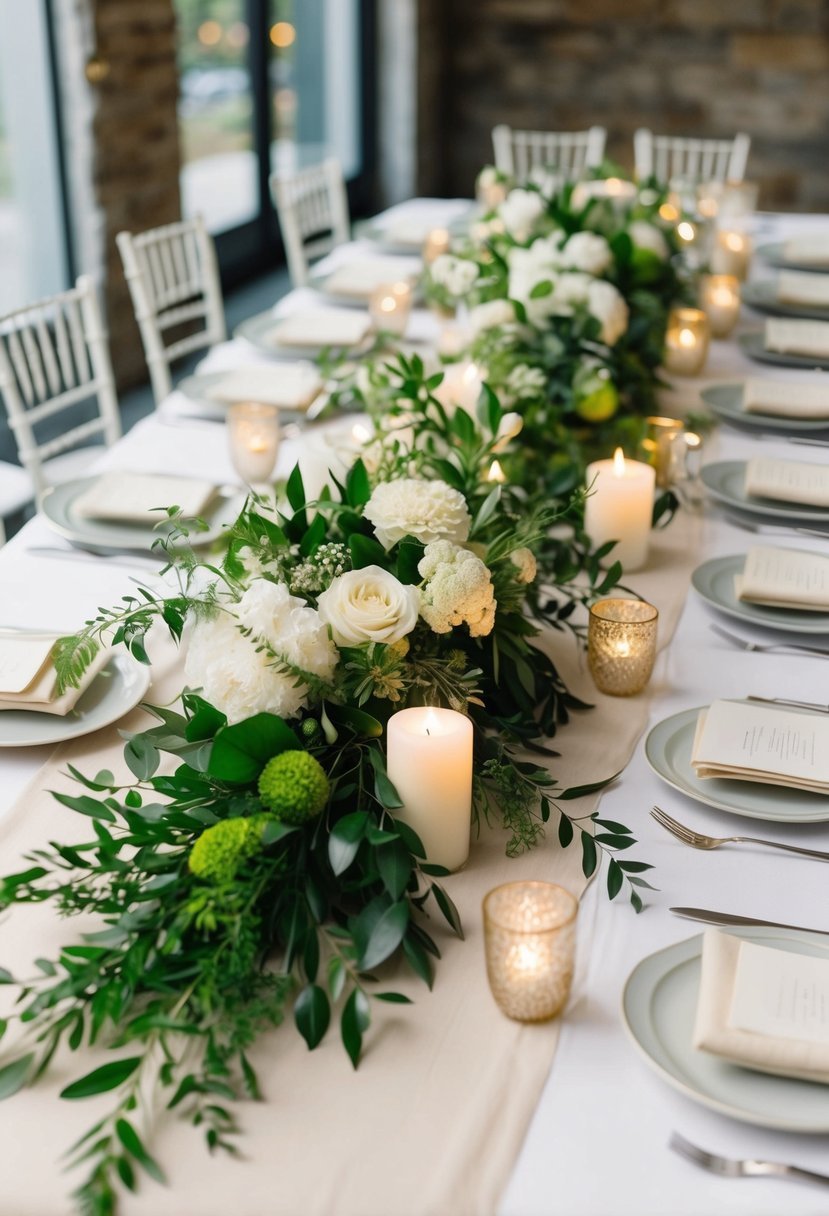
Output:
x=219 y=176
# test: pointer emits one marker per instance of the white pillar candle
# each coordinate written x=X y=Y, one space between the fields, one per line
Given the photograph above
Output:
x=620 y=508
x=429 y=762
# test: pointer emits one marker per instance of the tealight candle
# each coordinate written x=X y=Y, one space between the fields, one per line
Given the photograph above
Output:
x=429 y=762
x=686 y=341
x=437 y=242
x=620 y=507
x=720 y=300
x=732 y=254
x=708 y=199
x=253 y=434
x=529 y=938
x=461 y=386
x=389 y=306
x=655 y=445
x=621 y=645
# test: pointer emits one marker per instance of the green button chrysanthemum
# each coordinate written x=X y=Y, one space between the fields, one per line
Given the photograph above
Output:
x=294 y=786
x=221 y=849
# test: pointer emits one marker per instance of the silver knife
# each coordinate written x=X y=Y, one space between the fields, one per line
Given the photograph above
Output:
x=824 y=709
x=723 y=918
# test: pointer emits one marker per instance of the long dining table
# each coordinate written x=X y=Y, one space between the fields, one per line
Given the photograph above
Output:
x=597 y=1141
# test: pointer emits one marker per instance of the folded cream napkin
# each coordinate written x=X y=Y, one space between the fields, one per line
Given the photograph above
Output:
x=797 y=337
x=287 y=385
x=784 y=578
x=763 y=1008
x=800 y=287
x=772 y=746
x=808 y=250
x=139 y=498
x=27 y=676
x=361 y=277
x=786 y=398
x=409 y=231
x=788 y=481
x=322 y=327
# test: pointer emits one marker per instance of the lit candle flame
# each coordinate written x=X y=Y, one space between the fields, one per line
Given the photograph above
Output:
x=687 y=338
x=686 y=231
x=669 y=212
x=692 y=440
x=471 y=373
x=496 y=473
x=734 y=241
x=618 y=463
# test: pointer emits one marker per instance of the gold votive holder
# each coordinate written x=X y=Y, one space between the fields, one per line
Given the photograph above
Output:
x=655 y=445
x=686 y=341
x=719 y=297
x=436 y=244
x=621 y=645
x=389 y=306
x=732 y=253
x=253 y=437
x=530 y=938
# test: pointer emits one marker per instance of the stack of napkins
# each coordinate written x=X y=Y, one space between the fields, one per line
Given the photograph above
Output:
x=322 y=327
x=808 y=250
x=788 y=481
x=746 y=742
x=140 y=498
x=797 y=287
x=764 y=1008
x=359 y=279
x=290 y=386
x=786 y=398
x=797 y=337
x=28 y=678
x=784 y=578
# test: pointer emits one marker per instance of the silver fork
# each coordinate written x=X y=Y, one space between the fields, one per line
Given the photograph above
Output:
x=729 y=1167
x=769 y=647
x=698 y=840
x=774 y=529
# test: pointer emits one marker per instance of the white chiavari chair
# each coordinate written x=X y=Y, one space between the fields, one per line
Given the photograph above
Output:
x=173 y=277
x=312 y=207
x=673 y=157
x=570 y=152
x=54 y=358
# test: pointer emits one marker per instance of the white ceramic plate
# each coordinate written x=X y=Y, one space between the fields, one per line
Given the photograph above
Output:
x=762 y=296
x=116 y=690
x=101 y=536
x=714 y=581
x=775 y=255
x=726 y=400
x=725 y=481
x=658 y=1008
x=668 y=752
x=753 y=344
x=260 y=332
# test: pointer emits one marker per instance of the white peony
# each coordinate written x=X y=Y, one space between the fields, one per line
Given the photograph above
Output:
x=241 y=680
x=457 y=590
x=608 y=306
x=368 y=605
x=457 y=275
x=647 y=236
x=490 y=315
x=519 y=211
x=427 y=510
x=587 y=251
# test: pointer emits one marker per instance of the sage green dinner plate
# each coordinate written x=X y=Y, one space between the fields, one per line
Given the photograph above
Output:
x=116 y=689
x=668 y=752
x=762 y=296
x=725 y=481
x=261 y=331
x=754 y=345
x=774 y=253
x=658 y=1010
x=714 y=582
x=726 y=401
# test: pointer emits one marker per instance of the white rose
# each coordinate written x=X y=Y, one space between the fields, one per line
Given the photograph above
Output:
x=368 y=605
x=519 y=211
x=587 y=251
x=569 y=291
x=457 y=275
x=608 y=306
x=490 y=315
x=427 y=510
x=646 y=236
x=528 y=268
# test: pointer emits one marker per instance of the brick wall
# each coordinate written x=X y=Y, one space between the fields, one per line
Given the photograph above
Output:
x=688 y=67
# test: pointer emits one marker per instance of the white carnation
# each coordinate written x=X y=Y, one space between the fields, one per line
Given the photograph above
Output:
x=587 y=251
x=519 y=211
x=490 y=315
x=457 y=590
x=368 y=605
x=457 y=275
x=427 y=510
x=608 y=306
x=241 y=681
x=526 y=564
x=646 y=236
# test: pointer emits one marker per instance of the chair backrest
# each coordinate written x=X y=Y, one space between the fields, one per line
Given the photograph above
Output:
x=313 y=214
x=53 y=356
x=173 y=277
x=669 y=157
x=571 y=152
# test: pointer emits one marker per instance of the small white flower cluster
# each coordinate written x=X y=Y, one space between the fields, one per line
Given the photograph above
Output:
x=522 y=383
x=316 y=572
x=456 y=275
x=457 y=590
x=427 y=510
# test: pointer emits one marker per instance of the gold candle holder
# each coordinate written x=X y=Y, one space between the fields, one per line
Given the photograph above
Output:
x=732 y=254
x=389 y=306
x=686 y=341
x=253 y=436
x=436 y=244
x=719 y=297
x=529 y=937
x=621 y=645
x=709 y=199
x=655 y=445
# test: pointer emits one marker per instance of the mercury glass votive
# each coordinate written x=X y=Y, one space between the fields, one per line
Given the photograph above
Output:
x=621 y=645
x=253 y=435
x=655 y=445
x=719 y=297
x=389 y=306
x=686 y=341
x=530 y=938
x=732 y=254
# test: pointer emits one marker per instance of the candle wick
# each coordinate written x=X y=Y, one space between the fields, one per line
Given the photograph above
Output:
x=428 y=732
